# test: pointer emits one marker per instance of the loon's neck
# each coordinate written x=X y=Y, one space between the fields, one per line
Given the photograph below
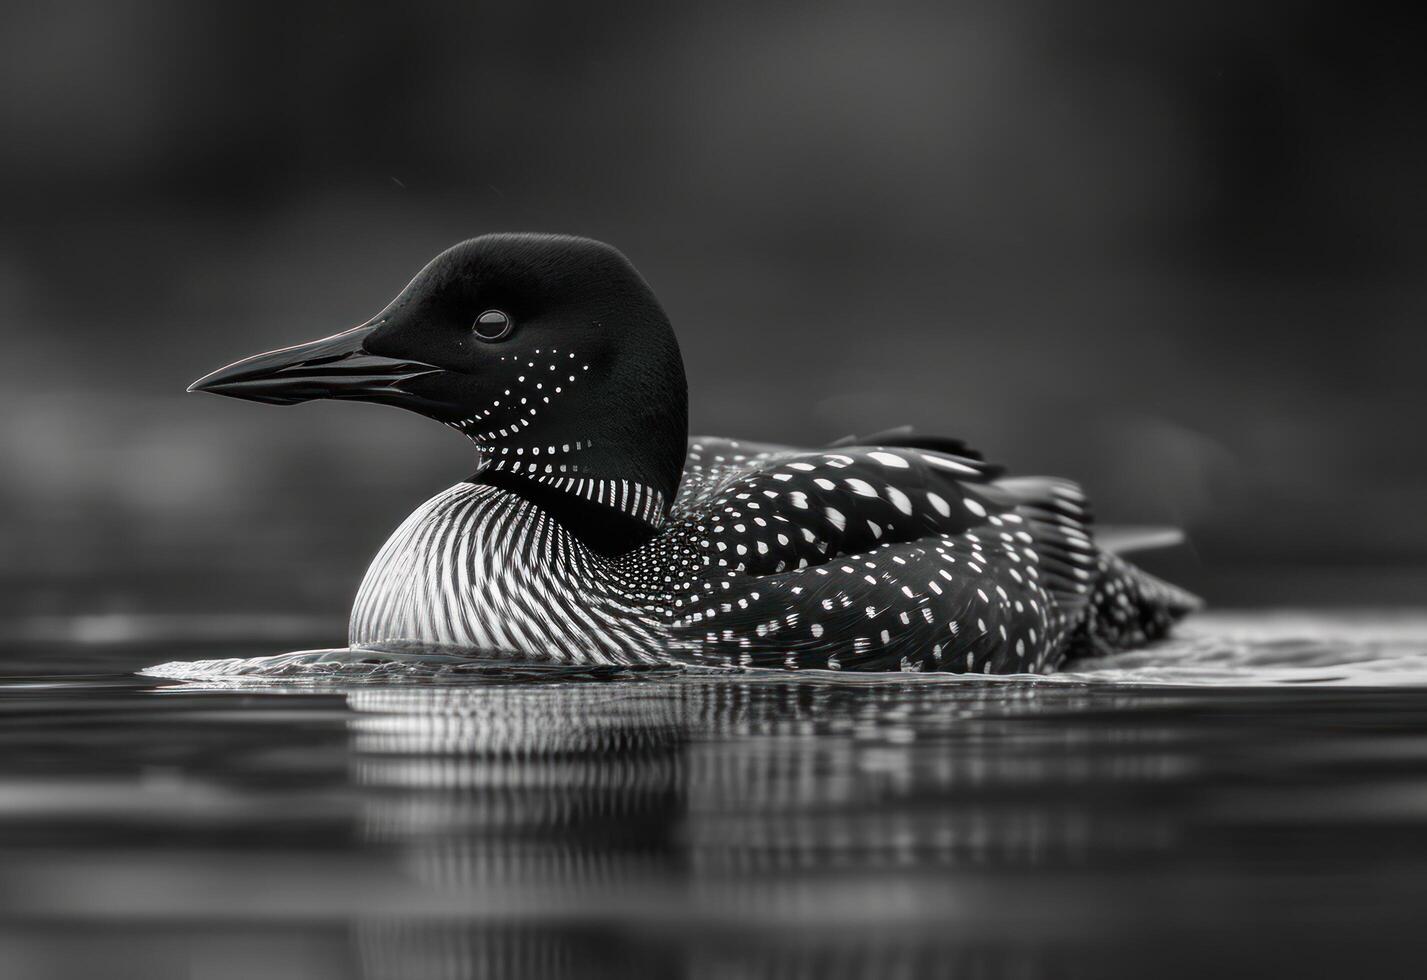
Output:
x=608 y=480
x=611 y=516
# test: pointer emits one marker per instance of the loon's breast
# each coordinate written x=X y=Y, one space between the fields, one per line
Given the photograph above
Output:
x=480 y=568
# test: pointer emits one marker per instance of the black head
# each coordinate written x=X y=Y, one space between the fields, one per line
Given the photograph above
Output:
x=550 y=352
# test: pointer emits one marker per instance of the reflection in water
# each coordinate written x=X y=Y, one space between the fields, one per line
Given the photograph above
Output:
x=790 y=805
x=524 y=800
x=407 y=950
x=462 y=821
x=562 y=787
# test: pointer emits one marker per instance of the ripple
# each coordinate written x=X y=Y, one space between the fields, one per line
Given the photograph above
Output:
x=1250 y=649
x=349 y=664
x=1360 y=649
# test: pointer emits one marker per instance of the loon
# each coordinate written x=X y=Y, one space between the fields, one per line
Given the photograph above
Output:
x=596 y=531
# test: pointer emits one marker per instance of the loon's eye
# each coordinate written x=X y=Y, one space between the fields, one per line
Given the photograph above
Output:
x=493 y=325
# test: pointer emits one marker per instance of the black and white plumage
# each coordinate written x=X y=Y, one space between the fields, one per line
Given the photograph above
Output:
x=592 y=532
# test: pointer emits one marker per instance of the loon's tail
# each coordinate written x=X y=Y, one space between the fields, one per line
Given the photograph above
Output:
x=1128 y=606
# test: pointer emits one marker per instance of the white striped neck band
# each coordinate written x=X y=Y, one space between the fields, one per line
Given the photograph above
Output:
x=629 y=497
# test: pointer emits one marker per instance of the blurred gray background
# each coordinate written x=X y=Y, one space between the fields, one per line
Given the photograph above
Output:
x=1173 y=250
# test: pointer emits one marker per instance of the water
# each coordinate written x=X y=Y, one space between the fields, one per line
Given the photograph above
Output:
x=1250 y=799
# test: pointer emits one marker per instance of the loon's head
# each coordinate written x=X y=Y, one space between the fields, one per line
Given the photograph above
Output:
x=549 y=351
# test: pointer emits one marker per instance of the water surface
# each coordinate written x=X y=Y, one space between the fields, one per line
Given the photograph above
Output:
x=1249 y=799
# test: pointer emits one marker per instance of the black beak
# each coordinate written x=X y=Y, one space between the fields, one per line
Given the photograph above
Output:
x=334 y=367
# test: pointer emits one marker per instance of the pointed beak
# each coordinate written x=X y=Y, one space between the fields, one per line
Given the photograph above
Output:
x=334 y=367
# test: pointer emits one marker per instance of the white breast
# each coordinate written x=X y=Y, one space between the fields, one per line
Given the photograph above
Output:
x=481 y=569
